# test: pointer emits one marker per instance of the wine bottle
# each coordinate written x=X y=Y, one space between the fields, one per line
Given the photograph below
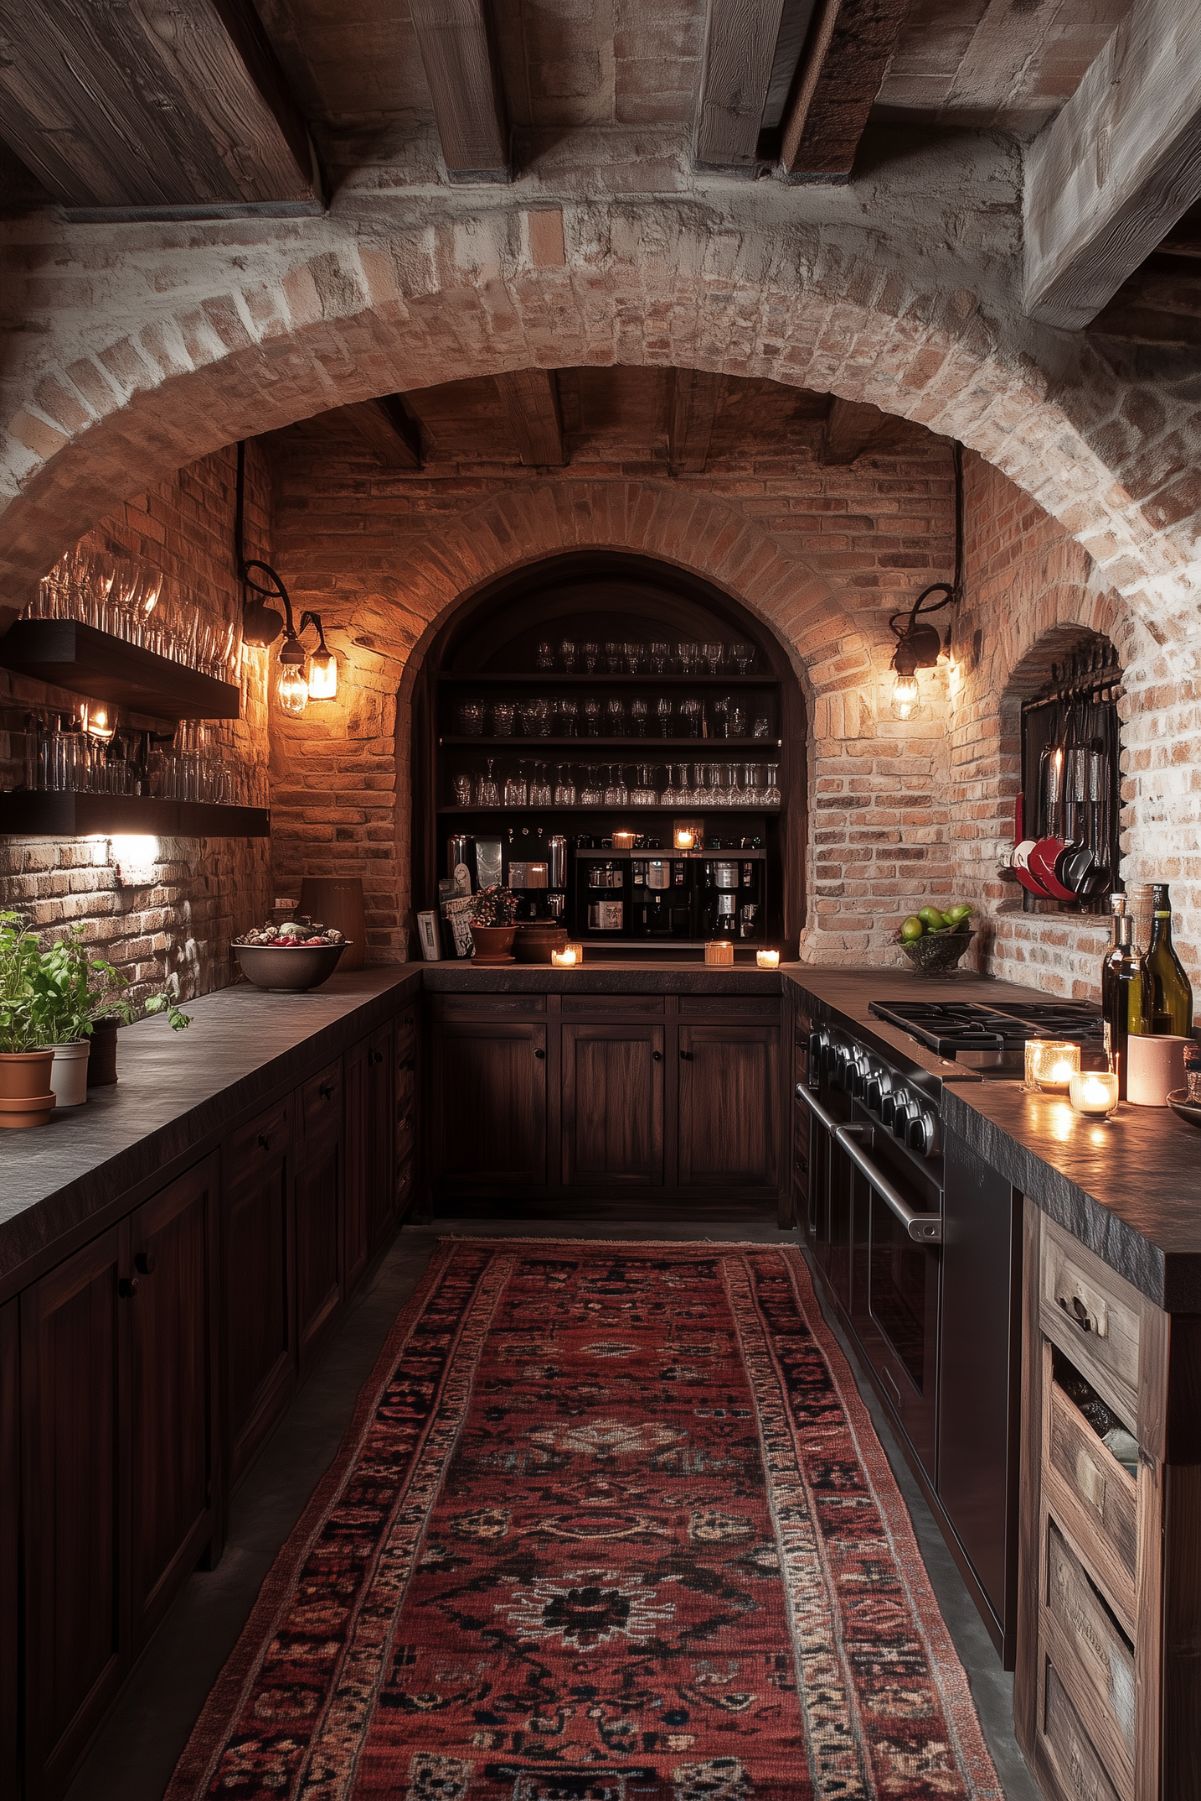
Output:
x=1121 y=996
x=1167 y=1000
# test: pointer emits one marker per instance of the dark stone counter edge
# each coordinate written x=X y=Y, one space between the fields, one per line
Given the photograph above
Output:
x=1172 y=1281
x=50 y=1228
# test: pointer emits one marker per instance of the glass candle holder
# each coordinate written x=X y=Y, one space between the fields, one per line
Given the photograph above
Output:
x=719 y=953
x=767 y=959
x=566 y=958
x=624 y=840
x=1050 y=1065
x=1093 y=1092
x=684 y=838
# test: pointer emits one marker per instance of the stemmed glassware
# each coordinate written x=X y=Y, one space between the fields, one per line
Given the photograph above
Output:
x=488 y=789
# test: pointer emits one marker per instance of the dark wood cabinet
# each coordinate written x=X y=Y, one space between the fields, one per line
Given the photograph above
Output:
x=728 y=1133
x=320 y=1190
x=76 y=1514
x=613 y=1087
x=489 y=1091
x=380 y=1131
x=355 y=1242
x=259 y=1303
x=10 y=1515
x=173 y=1380
x=405 y=1092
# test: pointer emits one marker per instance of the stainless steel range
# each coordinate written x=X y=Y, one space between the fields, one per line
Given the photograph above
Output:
x=917 y=1242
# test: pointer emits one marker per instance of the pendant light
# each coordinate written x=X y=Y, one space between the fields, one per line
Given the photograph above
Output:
x=919 y=645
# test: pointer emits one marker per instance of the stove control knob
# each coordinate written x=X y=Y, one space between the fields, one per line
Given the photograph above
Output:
x=859 y=1075
x=922 y=1132
x=877 y=1090
x=904 y=1113
x=888 y=1107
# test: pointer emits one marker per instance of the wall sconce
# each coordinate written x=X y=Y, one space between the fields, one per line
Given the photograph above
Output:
x=97 y=721
x=919 y=645
x=299 y=680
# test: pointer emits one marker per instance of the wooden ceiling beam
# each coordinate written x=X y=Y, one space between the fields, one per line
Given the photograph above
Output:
x=845 y=60
x=849 y=429
x=1117 y=167
x=736 y=76
x=531 y=398
x=460 y=63
x=387 y=426
x=694 y=401
x=166 y=111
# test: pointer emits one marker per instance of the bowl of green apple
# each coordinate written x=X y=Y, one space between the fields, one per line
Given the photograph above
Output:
x=935 y=938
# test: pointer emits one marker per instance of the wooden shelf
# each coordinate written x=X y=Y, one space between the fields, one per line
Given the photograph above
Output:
x=763 y=746
x=32 y=814
x=68 y=654
x=603 y=809
x=667 y=850
x=550 y=678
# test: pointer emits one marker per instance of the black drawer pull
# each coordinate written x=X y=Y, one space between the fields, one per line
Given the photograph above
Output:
x=326 y=1091
x=539 y=1052
x=656 y=1056
x=145 y=1263
x=375 y=1056
x=264 y=1142
x=127 y=1287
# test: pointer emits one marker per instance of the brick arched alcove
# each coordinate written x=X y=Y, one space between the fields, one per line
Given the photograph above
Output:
x=229 y=336
x=341 y=794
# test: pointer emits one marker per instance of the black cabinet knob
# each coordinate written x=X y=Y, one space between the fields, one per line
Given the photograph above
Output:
x=264 y=1142
x=406 y=1063
x=656 y=1056
x=326 y=1091
x=145 y=1263
x=375 y=1056
x=127 y=1286
x=686 y=1056
x=540 y=1053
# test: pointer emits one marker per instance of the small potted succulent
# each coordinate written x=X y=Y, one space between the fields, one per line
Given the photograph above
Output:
x=493 y=925
x=26 y=1096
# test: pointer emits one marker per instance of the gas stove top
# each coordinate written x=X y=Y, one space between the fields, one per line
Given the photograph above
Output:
x=990 y=1037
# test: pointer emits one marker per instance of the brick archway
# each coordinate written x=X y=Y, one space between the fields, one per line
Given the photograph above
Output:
x=331 y=315
x=350 y=768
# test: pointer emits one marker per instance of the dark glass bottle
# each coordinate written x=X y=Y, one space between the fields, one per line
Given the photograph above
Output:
x=1121 y=996
x=1167 y=993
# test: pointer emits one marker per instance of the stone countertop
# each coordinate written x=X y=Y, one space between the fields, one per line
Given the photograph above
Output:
x=175 y=1092
x=608 y=975
x=1129 y=1188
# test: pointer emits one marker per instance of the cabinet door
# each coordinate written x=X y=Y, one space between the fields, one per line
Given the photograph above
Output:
x=355 y=1242
x=172 y=1364
x=405 y=1091
x=489 y=1102
x=74 y=1461
x=10 y=1464
x=260 y=1334
x=319 y=1194
x=381 y=1123
x=729 y=1109
x=612 y=1106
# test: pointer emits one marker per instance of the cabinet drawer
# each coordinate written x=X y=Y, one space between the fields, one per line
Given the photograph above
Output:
x=321 y=1103
x=1093 y=1657
x=1094 y=1317
x=489 y=1006
x=607 y=1006
x=1078 y=1766
x=730 y=1006
x=1096 y=1499
x=253 y=1145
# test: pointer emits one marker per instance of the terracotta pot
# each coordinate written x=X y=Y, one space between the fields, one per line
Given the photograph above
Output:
x=102 y=1064
x=492 y=944
x=26 y=1097
x=69 y=1073
x=535 y=942
x=337 y=900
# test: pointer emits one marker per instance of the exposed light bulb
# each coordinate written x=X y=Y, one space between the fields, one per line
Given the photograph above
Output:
x=904 y=696
x=292 y=689
x=96 y=722
x=323 y=675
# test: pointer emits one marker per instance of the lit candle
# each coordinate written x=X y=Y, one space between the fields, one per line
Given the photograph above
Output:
x=1094 y=1092
x=685 y=838
x=624 y=840
x=768 y=959
x=1050 y=1065
x=719 y=952
x=566 y=958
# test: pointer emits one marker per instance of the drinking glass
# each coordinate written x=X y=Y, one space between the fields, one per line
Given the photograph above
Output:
x=762 y=726
x=687 y=656
x=615 y=717
x=663 y=713
x=590 y=788
x=568 y=718
x=540 y=790
x=592 y=718
x=541 y=717
x=639 y=715
x=636 y=658
x=713 y=654
x=470 y=719
x=564 y=795
x=544 y=655
x=517 y=792
x=690 y=718
x=591 y=656
x=742 y=656
x=463 y=790
x=613 y=656
x=487 y=789
x=527 y=718
x=504 y=714
x=660 y=657
x=567 y=656
x=771 y=794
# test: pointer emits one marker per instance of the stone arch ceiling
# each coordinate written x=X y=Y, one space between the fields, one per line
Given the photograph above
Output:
x=192 y=337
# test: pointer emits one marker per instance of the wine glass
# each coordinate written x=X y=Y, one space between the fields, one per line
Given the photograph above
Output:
x=663 y=713
x=639 y=715
x=488 y=791
x=564 y=795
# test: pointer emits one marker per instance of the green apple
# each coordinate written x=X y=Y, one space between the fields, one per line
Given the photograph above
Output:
x=911 y=928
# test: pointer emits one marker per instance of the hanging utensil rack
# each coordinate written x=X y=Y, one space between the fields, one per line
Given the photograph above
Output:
x=1077 y=713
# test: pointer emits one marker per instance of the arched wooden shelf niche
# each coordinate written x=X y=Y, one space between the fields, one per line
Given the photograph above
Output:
x=571 y=685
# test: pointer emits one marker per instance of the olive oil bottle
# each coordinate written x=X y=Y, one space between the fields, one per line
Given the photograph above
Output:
x=1121 y=994
x=1167 y=999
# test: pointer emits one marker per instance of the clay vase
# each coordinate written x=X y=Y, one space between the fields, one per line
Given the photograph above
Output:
x=492 y=944
x=337 y=900
x=102 y=1064
x=26 y=1097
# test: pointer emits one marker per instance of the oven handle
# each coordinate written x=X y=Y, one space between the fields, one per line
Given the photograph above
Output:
x=815 y=1107
x=926 y=1228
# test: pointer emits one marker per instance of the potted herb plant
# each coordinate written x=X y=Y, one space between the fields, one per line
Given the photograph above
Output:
x=493 y=925
x=77 y=989
x=26 y=1095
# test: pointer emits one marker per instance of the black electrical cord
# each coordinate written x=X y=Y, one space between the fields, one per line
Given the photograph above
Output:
x=277 y=590
x=952 y=592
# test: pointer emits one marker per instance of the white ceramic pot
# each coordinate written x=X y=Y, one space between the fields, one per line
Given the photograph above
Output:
x=69 y=1073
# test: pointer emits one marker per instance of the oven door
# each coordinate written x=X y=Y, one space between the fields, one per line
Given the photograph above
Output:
x=897 y=1274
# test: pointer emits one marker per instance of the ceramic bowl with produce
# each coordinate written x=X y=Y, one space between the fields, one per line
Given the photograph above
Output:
x=935 y=939
x=289 y=958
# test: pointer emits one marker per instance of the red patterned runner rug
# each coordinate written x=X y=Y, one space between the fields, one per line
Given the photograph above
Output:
x=611 y=1524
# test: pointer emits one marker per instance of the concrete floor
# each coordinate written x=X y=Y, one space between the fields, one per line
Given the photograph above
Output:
x=133 y=1757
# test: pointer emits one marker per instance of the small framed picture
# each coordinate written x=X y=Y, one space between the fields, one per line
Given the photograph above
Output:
x=430 y=937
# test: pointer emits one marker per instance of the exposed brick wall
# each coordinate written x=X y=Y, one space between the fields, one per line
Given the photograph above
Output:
x=203 y=889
